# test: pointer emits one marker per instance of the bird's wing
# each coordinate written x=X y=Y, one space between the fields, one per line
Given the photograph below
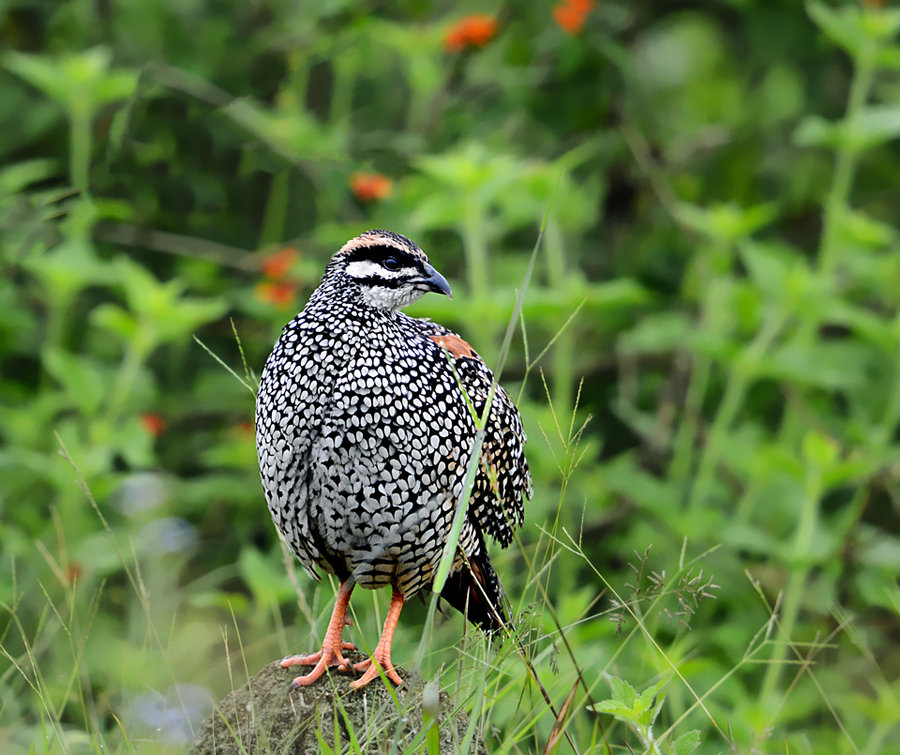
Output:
x=503 y=482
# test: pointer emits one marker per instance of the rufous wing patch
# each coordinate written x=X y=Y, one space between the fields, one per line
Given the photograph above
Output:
x=455 y=345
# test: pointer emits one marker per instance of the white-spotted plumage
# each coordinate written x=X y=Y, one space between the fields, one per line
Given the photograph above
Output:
x=364 y=435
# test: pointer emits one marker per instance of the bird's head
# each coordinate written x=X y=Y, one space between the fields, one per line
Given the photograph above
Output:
x=389 y=270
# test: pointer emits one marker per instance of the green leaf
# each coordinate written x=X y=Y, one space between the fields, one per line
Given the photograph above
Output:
x=873 y=125
x=133 y=443
x=687 y=742
x=856 y=227
x=70 y=267
x=15 y=178
x=164 y=316
x=613 y=708
x=770 y=265
x=115 y=319
x=819 y=450
x=622 y=691
x=646 y=708
x=880 y=23
x=815 y=131
x=852 y=27
x=726 y=222
x=266 y=580
x=624 y=476
x=785 y=276
x=80 y=82
x=85 y=382
x=868 y=325
x=40 y=72
x=888 y=58
x=657 y=332
x=323 y=745
x=292 y=133
x=833 y=366
x=842 y=26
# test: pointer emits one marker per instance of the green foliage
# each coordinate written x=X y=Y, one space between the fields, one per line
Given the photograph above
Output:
x=707 y=356
x=640 y=711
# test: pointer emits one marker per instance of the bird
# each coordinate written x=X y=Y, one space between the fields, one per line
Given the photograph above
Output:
x=364 y=430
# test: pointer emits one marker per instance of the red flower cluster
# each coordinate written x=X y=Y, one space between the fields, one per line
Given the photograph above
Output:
x=570 y=14
x=73 y=571
x=279 y=293
x=275 y=266
x=370 y=187
x=154 y=423
x=472 y=31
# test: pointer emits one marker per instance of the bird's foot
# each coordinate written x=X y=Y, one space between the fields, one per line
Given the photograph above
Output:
x=312 y=659
x=329 y=656
x=381 y=659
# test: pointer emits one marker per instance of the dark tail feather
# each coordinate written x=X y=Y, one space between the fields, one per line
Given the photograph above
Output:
x=475 y=591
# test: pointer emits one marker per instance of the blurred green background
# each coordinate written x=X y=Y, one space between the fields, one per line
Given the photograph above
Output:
x=708 y=361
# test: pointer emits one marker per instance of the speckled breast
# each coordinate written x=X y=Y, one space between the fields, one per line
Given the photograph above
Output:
x=389 y=461
x=376 y=453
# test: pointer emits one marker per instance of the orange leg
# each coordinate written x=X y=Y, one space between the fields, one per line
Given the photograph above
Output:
x=331 y=652
x=381 y=658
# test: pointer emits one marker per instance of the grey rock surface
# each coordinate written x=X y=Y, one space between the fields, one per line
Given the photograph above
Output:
x=266 y=716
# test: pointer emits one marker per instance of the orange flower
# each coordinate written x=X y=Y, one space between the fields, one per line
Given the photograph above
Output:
x=73 y=572
x=281 y=294
x=275 y=265
x=370 y=187
x=472 y=31
x=570 y=14
x=153 y=423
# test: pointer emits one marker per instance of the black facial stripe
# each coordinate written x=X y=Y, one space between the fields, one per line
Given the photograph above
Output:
x=374 y=280
x=380 y=252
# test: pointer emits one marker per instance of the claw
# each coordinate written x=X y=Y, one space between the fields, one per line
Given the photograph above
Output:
x=331 y=653
x=372 y=671
x=333 y=657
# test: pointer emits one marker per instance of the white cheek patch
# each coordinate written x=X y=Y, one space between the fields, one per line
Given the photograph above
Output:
x=389 y=298
x=362 y=269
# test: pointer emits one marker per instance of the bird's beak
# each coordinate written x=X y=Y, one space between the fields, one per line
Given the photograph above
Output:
x=436 y=282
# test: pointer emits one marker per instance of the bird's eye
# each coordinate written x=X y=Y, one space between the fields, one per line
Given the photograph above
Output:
x=391 y=263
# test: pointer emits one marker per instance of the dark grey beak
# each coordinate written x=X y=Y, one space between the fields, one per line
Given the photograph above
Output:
x=436 y=282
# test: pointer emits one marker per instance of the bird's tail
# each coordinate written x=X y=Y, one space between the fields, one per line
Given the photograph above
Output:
x=475 y=591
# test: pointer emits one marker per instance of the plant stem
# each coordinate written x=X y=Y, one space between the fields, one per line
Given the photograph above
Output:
x=80 y=148
x=563 y=351
x=474 y=243
x=689 y=428
x=345 y=70
x=648 y=740
x=135 y=354
x=891 y=415
x=836 y=204
x=739 y=379
x=272 y=231
x=845 y=160
x=793 y=594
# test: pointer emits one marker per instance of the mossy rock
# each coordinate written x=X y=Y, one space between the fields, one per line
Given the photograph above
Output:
x=266 y=716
